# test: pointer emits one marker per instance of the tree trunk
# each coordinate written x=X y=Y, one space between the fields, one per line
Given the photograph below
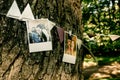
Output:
x=18 y=63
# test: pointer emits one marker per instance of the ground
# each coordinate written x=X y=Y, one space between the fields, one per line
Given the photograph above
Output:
x=101 y=70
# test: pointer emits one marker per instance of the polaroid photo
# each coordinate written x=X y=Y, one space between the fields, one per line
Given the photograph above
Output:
x=39 y=36
x=70 y=48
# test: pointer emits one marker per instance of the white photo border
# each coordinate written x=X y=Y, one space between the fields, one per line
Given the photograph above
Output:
x=67 y=57
x=42 y=46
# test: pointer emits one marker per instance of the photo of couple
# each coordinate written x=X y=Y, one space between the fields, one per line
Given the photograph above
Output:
x=39 y=36
x=70 y=44
x=70 y=48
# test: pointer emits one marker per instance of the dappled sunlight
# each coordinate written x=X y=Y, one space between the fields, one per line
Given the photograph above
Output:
x=110 y=69
x=105 y=68
x=104 y=72
x=99 y=76
x=89 y=64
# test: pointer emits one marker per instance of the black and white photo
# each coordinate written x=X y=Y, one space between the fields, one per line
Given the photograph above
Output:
x=39 y=36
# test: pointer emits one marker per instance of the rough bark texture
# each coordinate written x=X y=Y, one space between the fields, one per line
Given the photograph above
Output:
x=17 y=63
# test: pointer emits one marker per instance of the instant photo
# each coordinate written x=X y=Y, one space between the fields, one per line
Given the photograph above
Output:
x=70 y=48
x=39 y=36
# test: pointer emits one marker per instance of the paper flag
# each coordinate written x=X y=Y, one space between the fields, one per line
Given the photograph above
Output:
x=60 y=33
x=79 y=43
x=51 y=24
x=14 y=11
x=27 y=14
x=114 y=37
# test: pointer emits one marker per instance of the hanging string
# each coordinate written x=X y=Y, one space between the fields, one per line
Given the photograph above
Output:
x=90 y=52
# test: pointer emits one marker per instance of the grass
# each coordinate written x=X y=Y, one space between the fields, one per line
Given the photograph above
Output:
x=103 y=60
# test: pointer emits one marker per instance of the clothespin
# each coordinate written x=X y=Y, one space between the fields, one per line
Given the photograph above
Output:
x=70 y=32
x=79 y=43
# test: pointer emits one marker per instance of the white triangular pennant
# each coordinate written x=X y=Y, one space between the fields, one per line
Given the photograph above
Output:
x=51 y=24
x=114 y=37
x=79 y=43
x=27 y=14
x=14 y=11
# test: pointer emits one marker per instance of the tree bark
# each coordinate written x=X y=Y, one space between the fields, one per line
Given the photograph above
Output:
x=18 y=63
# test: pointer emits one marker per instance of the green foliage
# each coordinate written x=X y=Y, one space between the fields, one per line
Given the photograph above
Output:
x=103 y=44
x=101 y=17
